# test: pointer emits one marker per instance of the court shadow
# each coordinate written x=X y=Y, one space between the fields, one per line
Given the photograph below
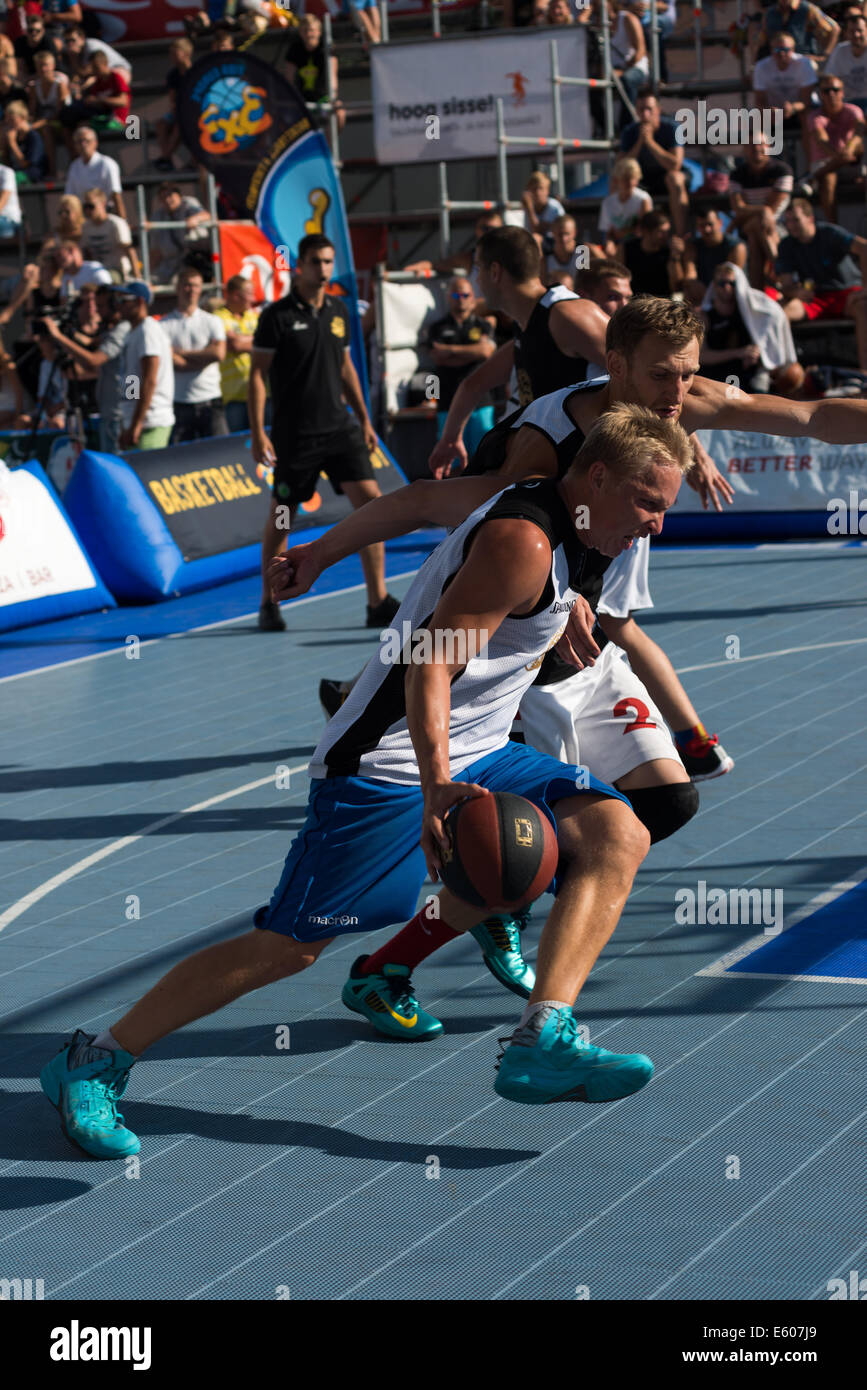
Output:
x=37 y=1137
x=17 y=1193
x=112 y=774
x=111 y=827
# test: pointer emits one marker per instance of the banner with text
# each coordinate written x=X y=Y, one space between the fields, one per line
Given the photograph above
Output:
x=783 y=487
x=438 y=101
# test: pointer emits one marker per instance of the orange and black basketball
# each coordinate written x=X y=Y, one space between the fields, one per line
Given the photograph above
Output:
x=502 y=851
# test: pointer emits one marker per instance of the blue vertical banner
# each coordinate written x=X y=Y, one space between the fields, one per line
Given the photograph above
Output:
x=250 y=127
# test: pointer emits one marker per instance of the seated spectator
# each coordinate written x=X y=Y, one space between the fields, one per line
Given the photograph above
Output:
x=222 y=39
x=365 y=14
x=305 y=63
x=198 y=346
x=622 y=208
x=105 y=97
x=458 y=343
x=147 y=356
x=835 y=143
x=77 y=271
x=813 y=31
x=10 y=85
x=652 y=140
x=540 y=208
x=760 y=189
x=629 y=53
x=560 y=264
x=17 y=16
x=785 y=80
x=239 y=319
x=168 y=247
x=78 y=50
x=12 y=415
x=848 y=61
x=70 y=218
x=817 y=274
x=167 y=127
x=559 y=12
x=747 y=336
x=10 y=208
x=653 y=257
x=59 y=17
x=90 y=169
x=106 y=238
x=48 y=96
x=20 y=146
x=705 y=251
x=666 y=18
x=608 y=283
x=539 y=13
x=34 y=40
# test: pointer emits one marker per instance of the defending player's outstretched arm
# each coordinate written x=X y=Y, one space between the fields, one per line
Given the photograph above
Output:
x=713 y=405
x=423 y=503
x=496 y=371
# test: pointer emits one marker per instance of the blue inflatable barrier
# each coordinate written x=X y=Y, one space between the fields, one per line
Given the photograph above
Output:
x=44 y=570
x=165 y=522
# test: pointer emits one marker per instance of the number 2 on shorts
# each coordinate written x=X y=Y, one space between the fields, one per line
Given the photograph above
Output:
x=630 y=706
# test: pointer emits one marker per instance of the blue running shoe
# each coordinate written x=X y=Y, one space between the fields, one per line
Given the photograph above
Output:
x=387 y=999
x=500 y=940
x=547 y=1061
x=84 y=1083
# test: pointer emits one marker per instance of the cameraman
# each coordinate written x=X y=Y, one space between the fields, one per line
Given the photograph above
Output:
x=104 y=357
x=99 y=353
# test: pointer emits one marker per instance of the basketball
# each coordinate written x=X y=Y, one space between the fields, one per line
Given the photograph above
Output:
x=502 y=851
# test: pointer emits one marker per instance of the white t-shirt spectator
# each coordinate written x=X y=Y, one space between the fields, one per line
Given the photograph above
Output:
x=193 y=332
x=11 y=208
x=780 y=86
x=101 y=171
x=618 y=216
x=147 y=339
x=106 y=241
x=91 y=273
x=843 y=63
x=551 y=210
x=115 y=59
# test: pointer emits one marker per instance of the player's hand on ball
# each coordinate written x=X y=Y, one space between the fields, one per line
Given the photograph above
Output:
x=438 y=801
x=444 y=454
x=577 y=645
x=295 y=572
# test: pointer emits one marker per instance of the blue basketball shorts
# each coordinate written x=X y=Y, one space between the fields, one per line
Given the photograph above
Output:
x=357 y=865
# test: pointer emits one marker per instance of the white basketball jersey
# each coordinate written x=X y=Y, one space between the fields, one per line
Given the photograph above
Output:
x=369 y=736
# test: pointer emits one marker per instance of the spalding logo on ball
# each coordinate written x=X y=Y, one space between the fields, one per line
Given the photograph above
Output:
x=502 y=851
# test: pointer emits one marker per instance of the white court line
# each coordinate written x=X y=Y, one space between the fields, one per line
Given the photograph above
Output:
x=746 y=948
x=89 y=860
x=205 y=627
x=763 y=656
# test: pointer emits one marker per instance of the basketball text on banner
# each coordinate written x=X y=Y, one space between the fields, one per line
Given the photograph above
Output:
x=250 y=128
x=457 y=81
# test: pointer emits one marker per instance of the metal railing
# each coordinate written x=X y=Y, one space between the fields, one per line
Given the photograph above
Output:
x=146 y=226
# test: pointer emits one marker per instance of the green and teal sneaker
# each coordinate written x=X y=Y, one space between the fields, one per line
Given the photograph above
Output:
x=500 y=940
x=387 y=1000
x=546 y=1061
x=85 y=1093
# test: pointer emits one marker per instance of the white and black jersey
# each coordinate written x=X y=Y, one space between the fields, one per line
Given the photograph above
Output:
x=369 y=735
x=547 y=414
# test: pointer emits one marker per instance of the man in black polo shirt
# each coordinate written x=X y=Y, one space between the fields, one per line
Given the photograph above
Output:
x=302 y=342
x=459 y=342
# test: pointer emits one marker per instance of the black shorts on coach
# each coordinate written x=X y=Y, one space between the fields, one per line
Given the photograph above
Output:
x=342 y=456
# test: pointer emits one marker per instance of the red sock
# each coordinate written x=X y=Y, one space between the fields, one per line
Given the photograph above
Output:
x=418 y=940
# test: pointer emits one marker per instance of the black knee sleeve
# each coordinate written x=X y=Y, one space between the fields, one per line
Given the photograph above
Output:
x=664 y=809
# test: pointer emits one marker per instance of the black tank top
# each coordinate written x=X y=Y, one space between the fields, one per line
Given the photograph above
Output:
x=540 y=366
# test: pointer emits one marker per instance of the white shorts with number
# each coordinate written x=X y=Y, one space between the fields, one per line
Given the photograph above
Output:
x=602 y=718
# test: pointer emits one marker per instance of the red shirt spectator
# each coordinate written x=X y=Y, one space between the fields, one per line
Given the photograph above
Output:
x=107 y=84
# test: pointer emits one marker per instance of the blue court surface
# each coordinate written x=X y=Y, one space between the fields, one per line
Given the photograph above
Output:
x=149 y=792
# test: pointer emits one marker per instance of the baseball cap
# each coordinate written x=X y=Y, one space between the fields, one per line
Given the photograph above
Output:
x=135 y=289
